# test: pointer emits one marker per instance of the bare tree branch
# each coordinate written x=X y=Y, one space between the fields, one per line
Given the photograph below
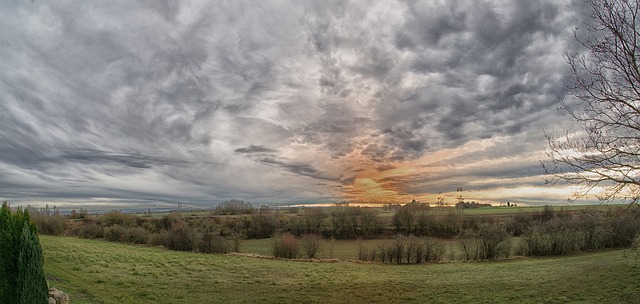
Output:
x=606 y=85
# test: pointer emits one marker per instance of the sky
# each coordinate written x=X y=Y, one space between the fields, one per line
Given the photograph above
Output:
x=148 y=102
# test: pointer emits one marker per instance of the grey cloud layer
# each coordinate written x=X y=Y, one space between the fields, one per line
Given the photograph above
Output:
x=223 y=99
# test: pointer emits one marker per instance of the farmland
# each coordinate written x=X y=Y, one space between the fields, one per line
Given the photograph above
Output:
x=96 y=271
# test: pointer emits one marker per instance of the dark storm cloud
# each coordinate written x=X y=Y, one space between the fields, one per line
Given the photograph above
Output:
x=296 y=168
x=198 y=101
x=457 y=46
x=254 y=149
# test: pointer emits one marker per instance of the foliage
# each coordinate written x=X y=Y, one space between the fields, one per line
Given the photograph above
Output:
x=489 y=242
x=90 y=230
x=213 y=243
x=403 y=250
x=21 y=265
x=31 y=283
x=51 y=224
x=117 y=217
x=311 y=244
x=285 y=246
x=180 y=237
x=234 y=207
x=590 y=230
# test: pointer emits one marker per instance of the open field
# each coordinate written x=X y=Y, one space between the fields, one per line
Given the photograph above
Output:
x=493 y=210
x=345 y=249
x=103 y=272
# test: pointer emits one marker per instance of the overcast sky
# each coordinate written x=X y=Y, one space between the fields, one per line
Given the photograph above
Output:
x=280 y=101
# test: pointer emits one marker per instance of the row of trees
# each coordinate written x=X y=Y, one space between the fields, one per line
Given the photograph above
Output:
x=22 y=277
x=547 y=232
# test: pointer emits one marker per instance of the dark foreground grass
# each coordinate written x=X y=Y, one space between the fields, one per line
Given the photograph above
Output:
x=103 y=272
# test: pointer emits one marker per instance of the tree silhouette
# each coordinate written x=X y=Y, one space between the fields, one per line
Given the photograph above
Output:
x=605 y=84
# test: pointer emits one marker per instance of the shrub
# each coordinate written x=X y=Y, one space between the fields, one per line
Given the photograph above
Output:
x=433 y=250
x=363 y=253
x=236 y=241
x=495 y=241
x=489 y=242
x=213 y=243
x=82 y=215
x=116 y=234
x=311 y=244
x=181 y=237
x=520 y=223
x=383 y=250
x=624 y=229
x=234 y=207
x=403 y=250
x=554 y=237
x=48 y=224
x=138 y=235
x=158 y=239
x=116 y=217
x=260 y=226
x=285 y=246
x=398 y=248
x=90 y=230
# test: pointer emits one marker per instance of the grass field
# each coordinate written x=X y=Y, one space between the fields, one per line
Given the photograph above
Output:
x=342 y=249
x=95 y=271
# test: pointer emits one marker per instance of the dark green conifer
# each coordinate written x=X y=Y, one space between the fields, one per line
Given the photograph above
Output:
x=22 y=277
x=6 y=252
x=31 y=283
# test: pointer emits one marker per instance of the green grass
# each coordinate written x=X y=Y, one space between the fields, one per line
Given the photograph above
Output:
x=339 y=249
x=497 y=210
x=102 y=272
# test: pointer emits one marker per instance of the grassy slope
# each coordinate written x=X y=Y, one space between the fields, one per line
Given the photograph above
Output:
x=102 y=272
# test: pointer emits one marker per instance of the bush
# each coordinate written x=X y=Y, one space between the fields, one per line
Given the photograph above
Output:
x=285 y=246
x=236 y=241
x=213 y=243
x=48 y=224
x=495 y=241
x=90 y=230
x=181 y=237
x=234 y=207
x=554 y=237
x=433 y=250
x=624 y=229
x=116 y=234
x=383 y=252
x=116 y=217
x=311 y=244
x=520 y=223
x=260 y=226
x=158 y=239
x=138 y=235
x=366 y=254
x=403 y=250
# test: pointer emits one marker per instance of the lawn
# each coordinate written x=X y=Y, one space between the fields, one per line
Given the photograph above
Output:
x=94 y=271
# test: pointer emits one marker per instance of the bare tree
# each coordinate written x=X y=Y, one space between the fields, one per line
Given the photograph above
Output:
x=605 y=82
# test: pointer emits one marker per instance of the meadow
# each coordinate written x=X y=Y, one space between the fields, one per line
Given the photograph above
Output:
x=97 y=271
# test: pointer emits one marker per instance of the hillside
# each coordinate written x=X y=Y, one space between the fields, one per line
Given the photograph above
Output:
x=103 y=272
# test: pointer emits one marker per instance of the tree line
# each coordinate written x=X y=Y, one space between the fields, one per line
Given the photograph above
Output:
x=412 y=229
